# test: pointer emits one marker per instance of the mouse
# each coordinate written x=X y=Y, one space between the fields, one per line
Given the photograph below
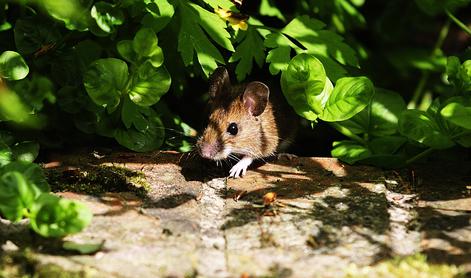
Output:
x=246 y=122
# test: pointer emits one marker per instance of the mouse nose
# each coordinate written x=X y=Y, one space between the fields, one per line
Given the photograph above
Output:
x=208 y=150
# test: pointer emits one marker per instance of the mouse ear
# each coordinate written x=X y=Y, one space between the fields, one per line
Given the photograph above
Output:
x=219 y=82
x=256 y=97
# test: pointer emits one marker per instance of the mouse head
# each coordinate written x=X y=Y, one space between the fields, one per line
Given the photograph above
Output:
x=234 y=124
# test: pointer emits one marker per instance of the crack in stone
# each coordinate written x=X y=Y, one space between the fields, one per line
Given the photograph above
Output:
x=212 y=260
x=401 y=212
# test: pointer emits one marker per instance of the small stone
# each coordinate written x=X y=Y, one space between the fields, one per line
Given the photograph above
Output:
x=9 y=246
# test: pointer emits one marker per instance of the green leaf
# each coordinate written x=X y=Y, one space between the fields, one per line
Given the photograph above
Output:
x=6 y=155
x=458 y=114
x=105 y=81
x=312 y=35
x=268 y=8
x=16 y=195
x=350 y=96
x=159 y=14
x=459 y=74
x=350 y=151
x=149 y=84
x=31 y=172
x=31 y=35
x=148 y=139
x=305 y=86
x=4 y=26
x=36 y=91
x=83 y=248
x=325 y=45
x=280 y=56
x=418 y=58
x=466 y=76
x=145 y=41
x=225 y=4
x=452 y=69
x=74 y=13
x=52 y=216
x=134 y=115
x=386 y=108
x=73 y=62
x=250 y=49
x=12 y=66
x=379 y=153
x=386 y=144
x=7 y=137
x=107 y=16
x=12 y=108
x=145 y=45
x=87 y=51
x=464 y=140
x=126 y=50
x=380 y=118
x=192 y=38
x=26 y=151
x=418 y=126
x=433 y=7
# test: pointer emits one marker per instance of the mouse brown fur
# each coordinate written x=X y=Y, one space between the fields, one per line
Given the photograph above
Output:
x=245 y=120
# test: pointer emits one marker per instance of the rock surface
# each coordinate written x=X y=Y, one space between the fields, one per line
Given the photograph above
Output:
x=192 y=221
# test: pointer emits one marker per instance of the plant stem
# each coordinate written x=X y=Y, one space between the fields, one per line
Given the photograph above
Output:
x=458 y=22
x=348 y=133
x=429 y=150
x=466 y=132
x=419 y=90
x=265 y=27
x=420 y=155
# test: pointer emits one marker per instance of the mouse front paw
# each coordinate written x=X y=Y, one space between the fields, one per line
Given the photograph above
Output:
x=240 y=168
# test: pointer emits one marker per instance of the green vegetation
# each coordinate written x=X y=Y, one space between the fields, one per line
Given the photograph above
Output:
x=411 y=266
x=109 y=179
x=24 y=193
x=76 y=70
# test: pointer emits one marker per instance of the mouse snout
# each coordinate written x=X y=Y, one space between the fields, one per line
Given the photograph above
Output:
x=208 y=150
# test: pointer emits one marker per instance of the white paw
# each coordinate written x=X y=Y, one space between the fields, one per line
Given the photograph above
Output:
x=240 y=168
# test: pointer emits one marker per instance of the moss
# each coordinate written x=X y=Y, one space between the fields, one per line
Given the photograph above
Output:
x=15 y=265
x=411 y=266
x=55 y=271
x=23 y=264
x=96 y=180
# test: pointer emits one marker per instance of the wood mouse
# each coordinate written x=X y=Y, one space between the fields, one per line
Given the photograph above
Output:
x=246 y=122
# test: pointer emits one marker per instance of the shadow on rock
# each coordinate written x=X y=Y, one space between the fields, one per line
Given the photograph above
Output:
x=172 y=201
x=447 y=235
x=334 y=197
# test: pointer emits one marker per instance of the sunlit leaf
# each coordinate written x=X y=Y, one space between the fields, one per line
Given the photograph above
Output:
x=52 y=216
x=350 y=96
x=105 y=81
x=12 y=66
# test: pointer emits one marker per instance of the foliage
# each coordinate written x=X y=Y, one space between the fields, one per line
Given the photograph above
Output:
x=24 y=193
x=415 y=265
x=85 y=68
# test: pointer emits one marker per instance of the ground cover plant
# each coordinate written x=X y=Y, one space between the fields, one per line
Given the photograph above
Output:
x=394 y=78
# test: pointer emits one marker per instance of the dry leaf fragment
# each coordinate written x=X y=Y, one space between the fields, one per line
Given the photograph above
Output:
x=239 y=195
x=245 y=275
x=269 y=198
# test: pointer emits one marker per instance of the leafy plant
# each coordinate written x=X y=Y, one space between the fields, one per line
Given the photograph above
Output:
x=24 y=193
x=104 y=67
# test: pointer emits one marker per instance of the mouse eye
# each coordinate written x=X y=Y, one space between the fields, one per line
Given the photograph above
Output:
x=232 y=128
